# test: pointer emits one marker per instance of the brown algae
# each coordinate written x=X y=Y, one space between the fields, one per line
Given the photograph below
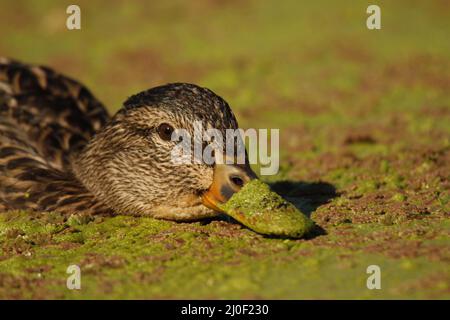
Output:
x=262 y=210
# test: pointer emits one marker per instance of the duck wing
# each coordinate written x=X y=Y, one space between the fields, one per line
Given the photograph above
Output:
x=57 y=114
x=45 y=118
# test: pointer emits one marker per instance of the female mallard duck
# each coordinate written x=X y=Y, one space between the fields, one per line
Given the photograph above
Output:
x=60 y=151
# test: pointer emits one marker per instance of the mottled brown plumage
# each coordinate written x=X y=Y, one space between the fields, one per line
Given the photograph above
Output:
x=60 y=151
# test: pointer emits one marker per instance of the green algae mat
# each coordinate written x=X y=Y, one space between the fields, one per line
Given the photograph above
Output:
x=364 y=119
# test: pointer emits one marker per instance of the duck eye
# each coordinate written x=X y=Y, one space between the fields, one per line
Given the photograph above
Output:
x=165 y=131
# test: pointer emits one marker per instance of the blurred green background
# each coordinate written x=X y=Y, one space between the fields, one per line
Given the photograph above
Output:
x=364 y=111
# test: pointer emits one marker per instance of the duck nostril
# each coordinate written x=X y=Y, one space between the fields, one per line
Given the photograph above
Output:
x=237 y=181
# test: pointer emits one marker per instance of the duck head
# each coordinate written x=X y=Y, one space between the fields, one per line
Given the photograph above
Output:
x=128 y=165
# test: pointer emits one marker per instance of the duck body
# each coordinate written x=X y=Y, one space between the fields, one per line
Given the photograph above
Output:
x=45 y=118
x=61 y=151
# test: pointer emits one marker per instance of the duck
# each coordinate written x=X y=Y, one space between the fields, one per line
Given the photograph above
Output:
x=61 y=151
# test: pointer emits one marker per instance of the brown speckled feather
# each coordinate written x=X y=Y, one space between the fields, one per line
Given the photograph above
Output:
x=45 y=118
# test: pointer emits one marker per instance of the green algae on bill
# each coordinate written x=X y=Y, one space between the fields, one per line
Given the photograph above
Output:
x=262 y=210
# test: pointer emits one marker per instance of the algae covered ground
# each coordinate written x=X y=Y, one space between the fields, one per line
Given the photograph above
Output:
x=364 y=119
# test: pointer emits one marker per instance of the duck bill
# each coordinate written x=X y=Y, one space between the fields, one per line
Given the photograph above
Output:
x=227 y=180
